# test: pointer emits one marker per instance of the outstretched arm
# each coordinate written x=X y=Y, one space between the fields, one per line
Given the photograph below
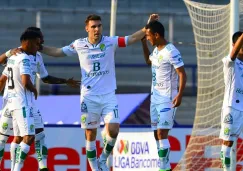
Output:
x=6 y=55
x=238 y=45
x=55 y=80
x=53 y=51
x=182 y=84
x=141 y=33
x=146 y=51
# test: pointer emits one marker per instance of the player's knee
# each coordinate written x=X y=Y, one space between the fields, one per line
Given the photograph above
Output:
x=17 y=139
x=156 y=135
x=28 y=139
x=90 y=134
x=113 y=130
x=228 y=143
x=162 y=133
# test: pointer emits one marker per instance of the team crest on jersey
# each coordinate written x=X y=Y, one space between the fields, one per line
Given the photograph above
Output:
x=228 y=119
x=83 y=118
x=102 y=47
x=160 y=58
x=5 y=126
x=32 y=127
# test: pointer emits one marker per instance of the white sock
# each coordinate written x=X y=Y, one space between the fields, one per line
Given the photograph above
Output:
x=13 y=149
x=157 y=143
x=164 y=152
x=91 y=154
x=22 y=152
x=3 y=140
x=110 y=142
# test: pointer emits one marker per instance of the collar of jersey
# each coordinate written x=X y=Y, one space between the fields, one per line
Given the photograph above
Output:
x=95 y=45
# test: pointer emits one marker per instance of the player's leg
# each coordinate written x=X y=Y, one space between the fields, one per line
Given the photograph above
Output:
x=40 y=145
x=25 y=123
x=154 y=123
x=165 y=123
x=13 y=149
x=6 y=129
x=90 y=121
x=112 y=123
x=230 y=130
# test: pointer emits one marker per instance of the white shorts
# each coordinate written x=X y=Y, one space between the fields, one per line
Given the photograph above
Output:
x=231 y=124
x=162 y=116
x=95 y=107
x=23 y=122
x=6 y=121
x=37 y=117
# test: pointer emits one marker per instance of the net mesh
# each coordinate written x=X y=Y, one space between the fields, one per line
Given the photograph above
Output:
x=211 y=32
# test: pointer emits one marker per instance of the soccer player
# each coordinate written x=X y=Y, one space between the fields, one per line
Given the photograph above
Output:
x=38 y=68
x=232 y=110
x=20 y=97
x=96 y=55
x=167 y=65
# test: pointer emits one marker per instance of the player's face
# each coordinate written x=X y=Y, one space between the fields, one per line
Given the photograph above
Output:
x=94 y=29
x=150 y=37
x=34 y=45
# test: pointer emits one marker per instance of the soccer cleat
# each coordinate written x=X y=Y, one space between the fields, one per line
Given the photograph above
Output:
x=102 y=165
x=44 y=169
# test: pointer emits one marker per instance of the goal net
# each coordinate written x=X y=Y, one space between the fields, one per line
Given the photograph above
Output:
x=211 y=27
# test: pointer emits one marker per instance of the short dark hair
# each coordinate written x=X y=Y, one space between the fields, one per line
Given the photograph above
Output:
x=156 y=27
x=29 y=35
x=33 y=28
x=92 y=17
x=236 y=35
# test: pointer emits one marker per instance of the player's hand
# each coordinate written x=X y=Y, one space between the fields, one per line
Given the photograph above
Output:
x=177 y=101
x=153 y=17
x=15 y=51
x=35 y=93
x=73 y=83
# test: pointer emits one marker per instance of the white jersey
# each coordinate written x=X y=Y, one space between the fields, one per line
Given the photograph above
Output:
x=38 y=68
x=5 y=72
x=164 y=77
x=18 y=96
x=233 y=79
x=97 y=63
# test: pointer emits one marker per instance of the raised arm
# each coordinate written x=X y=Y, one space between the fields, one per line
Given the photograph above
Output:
x=146 y=51
x=53 y=51
x=182 y=84
x=141 y=33
x=55 y=80
x=238 y=45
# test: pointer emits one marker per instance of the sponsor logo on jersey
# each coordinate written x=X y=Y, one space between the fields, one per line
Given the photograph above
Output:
x=96 y=73
x=97 y=56
x=84 y=107
x=240 y=91
x=11 y=61
x=102 y=47
x=26 y=62
x=228 y=119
